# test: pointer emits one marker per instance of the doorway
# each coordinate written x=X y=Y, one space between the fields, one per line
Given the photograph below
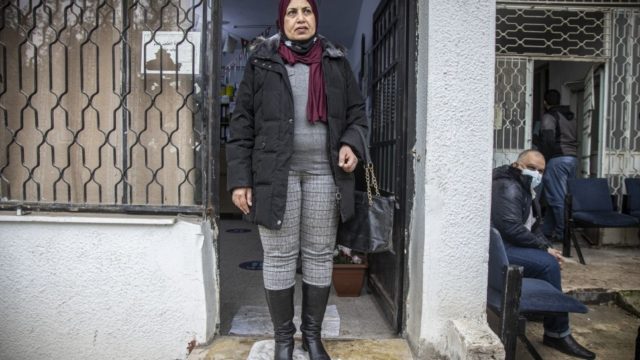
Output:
x=377 y=44
x=521 y=83
x=581 y=85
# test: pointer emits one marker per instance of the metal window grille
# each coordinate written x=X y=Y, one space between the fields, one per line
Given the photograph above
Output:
x=552 y=32
x=587 y=130
x=623 y=124
x=385 y=101
x=102 y=104
x=512 y=125
x=624 y=130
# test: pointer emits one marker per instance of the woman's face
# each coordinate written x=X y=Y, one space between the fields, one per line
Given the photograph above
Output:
x=299 y=21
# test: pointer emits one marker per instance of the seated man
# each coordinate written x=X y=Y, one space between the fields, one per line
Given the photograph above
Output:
x=515 y=214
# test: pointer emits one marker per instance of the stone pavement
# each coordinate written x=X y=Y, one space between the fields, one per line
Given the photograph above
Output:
x=607 y=269
x=611 y=276
x=240 y=348
x=607 y=329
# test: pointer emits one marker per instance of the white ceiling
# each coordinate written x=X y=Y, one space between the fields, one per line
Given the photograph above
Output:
x=338 y=18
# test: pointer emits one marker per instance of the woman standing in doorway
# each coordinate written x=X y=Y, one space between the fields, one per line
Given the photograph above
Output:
x=294 y=139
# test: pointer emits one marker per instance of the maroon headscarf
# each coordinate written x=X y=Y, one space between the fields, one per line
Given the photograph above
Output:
x=317 y=103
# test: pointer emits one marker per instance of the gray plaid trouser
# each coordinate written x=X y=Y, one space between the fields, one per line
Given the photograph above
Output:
x=310 y=223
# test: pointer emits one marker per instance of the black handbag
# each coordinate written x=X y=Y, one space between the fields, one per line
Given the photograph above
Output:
x=371 y=228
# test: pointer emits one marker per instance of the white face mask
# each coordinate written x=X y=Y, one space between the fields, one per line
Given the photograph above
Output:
x=536 y=177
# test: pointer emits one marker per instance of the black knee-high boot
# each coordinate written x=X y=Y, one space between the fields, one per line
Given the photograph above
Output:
x=281 y=309
x=314 y=304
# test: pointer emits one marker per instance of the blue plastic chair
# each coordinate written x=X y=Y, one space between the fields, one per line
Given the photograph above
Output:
x=588 y=204
x=511 y=296
x=633 y=197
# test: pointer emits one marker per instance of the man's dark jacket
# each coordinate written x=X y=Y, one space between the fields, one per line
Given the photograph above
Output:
x=559 y=133
x=511 y=204
x=260 y=143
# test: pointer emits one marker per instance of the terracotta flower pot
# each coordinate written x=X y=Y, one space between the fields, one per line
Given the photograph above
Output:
x=348 y=279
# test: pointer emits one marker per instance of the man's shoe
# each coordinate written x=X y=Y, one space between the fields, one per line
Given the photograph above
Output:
x=569 y=346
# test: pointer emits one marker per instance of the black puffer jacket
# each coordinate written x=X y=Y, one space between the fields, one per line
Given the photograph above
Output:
x=260 y=141
x=511 y=203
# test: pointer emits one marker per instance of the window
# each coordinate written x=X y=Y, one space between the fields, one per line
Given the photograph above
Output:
x=102 y=103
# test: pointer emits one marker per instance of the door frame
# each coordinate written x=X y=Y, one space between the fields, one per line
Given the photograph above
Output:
x=409 y=144
x=394 y=308
x=212 y=74
x=406 y=143
x=600 y=74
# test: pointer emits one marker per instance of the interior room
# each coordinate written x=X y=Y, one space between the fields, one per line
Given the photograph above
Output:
x=579 y=84
x=243 y=306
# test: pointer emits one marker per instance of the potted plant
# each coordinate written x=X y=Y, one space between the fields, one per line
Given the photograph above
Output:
x=349 y=269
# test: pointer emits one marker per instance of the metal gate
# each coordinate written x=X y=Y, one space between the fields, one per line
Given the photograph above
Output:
x=588 y=109
x=528 y=30
x=513 y=103
x=104 y=106
x=575 y=30
x=590 y=101
x=622 y=138
x=389 y=132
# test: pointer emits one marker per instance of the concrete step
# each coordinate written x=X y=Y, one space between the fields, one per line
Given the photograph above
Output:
x=244 y=348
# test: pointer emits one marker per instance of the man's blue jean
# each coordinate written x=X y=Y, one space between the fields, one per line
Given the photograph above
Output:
x=540 y=264
x=557 y=172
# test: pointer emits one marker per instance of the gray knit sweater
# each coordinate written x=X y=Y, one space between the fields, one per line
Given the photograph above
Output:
x=310 y=153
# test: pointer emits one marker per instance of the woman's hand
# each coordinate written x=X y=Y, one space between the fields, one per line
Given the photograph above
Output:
x=241 y=198
x=347 y=160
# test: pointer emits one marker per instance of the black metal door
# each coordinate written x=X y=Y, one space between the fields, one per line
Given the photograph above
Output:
x=391 y=126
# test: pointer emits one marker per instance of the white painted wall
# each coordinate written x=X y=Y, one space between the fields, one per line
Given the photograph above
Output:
x=105 y=287
x=448 y=251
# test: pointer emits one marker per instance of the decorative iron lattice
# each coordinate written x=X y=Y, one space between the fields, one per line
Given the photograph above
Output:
x=623 y=125
x=385 y=102
x=512 y=108
x=552 y=32
x=101 y=103
x=586 y=131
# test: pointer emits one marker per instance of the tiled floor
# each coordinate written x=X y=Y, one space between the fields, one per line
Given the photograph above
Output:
x=360 y=317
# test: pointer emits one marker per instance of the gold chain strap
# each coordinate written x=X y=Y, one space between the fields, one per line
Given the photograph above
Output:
x=369 y=173
x=372 y=182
